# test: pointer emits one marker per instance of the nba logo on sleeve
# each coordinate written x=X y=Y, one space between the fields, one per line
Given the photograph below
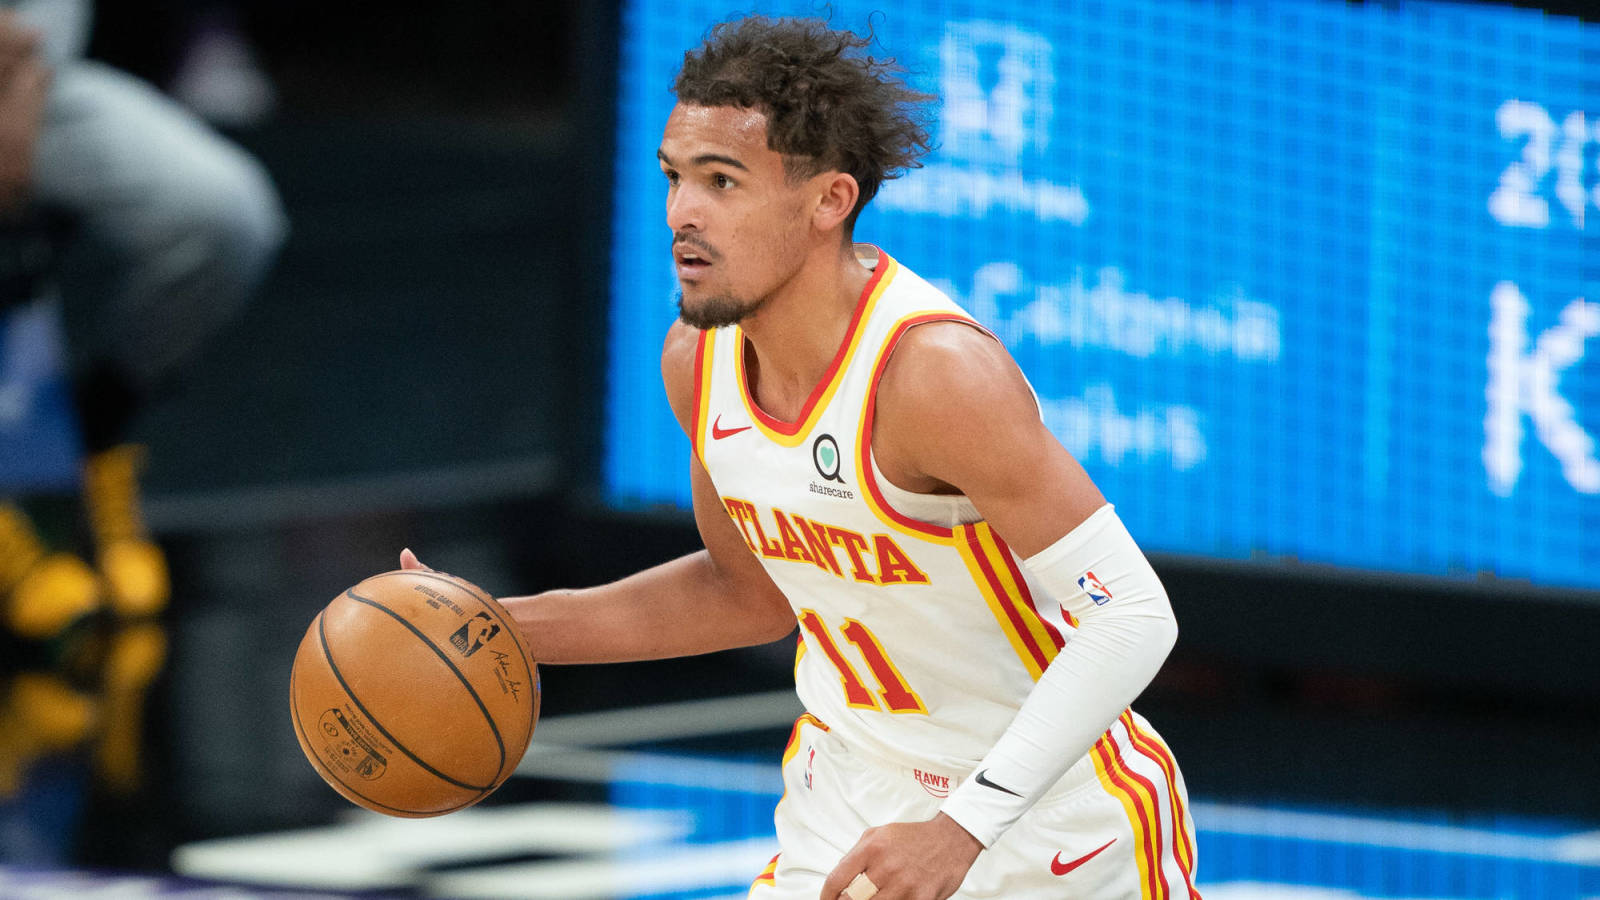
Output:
x=1096 y=591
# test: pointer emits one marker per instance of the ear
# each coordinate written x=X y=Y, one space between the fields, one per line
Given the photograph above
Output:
x=836 y=198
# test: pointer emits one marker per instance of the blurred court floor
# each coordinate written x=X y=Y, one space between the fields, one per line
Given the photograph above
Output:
x=675 y=801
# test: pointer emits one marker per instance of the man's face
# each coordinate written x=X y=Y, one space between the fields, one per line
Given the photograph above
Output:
x=739 y=228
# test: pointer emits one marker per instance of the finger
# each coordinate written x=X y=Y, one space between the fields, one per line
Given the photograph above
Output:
x=848 y=868
x=408 y=560
x=834 y=884
x=860 y=888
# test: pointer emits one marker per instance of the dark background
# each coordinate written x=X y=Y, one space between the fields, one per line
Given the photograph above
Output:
x=423 y=369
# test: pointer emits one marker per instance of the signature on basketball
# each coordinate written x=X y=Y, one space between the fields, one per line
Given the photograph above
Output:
x=502 y=673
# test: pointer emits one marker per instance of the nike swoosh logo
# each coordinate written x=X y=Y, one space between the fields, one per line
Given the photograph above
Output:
x=989 y=784
x=1057 y=867
x=718 y=432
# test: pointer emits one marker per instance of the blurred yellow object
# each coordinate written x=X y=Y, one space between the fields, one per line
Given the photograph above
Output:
x=20 y=548
x=134 y=568
x=41 y=714
x=136 y=657
x=49 y=709
x=137 y=582
x=56 y=592
x=111 y=490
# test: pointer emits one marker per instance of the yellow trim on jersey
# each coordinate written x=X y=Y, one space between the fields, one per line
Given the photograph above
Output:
x=789 y=752
x=1016 y=592
x=1154 y=749
x=991 y=572
x=997 y=603
x=864 y=437
x=1110 y=769
x=794 y=738
x=708 y=346
x=835 y=376
x=769 y=875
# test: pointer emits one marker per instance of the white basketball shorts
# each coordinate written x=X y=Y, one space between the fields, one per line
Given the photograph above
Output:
x=1117 y=825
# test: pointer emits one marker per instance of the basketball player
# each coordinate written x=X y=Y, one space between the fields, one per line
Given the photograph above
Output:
x=974 y=618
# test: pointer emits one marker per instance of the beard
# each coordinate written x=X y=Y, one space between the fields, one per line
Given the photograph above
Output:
x=718 y=311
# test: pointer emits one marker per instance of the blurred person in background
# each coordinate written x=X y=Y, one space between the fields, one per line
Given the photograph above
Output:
x=218 y=74
x=152 y=231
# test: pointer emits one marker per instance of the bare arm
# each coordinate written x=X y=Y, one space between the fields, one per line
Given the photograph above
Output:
x=955 y=413
x=714 y=599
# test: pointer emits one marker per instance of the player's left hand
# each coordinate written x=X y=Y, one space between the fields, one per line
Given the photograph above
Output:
x=908 y=860
x=408 y=560
x=410 y=563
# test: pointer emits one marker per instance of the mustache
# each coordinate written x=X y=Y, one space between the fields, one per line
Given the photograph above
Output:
x=685 y=241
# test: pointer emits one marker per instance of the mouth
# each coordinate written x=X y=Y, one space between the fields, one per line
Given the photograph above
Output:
x=690 y=262
x=692 y=257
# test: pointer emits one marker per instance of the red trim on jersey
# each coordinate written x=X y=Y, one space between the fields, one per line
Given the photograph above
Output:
x=1115 y=769
x=1152 y=748
x=1007 y=602
x=1027 y=595
x=864 y=442
x=769 y=875
x=697 y=416
x=790 y=429
x=1149 y=792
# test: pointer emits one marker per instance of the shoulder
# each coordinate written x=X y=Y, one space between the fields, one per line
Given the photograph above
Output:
x=952 y=398
x=678 y=375
x=952 y=371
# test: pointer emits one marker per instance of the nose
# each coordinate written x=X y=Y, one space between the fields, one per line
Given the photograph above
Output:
x=684 y=210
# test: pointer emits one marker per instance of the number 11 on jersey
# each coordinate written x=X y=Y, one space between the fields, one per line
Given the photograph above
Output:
x=896 y=695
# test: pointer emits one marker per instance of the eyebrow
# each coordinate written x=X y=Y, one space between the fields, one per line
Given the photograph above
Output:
x=706 y=159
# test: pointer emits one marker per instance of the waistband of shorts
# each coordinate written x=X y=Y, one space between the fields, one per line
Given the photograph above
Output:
x=1080 y=775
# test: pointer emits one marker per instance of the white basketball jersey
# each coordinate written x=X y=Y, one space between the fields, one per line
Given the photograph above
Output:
x=920 y=633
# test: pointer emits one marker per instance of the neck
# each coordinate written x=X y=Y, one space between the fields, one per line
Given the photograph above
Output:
x=797 y=332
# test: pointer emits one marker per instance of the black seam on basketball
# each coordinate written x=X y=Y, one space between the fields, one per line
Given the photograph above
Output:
x=494 y=609
x=489 y=603
x=327 y=654
x=445 y=658
x=294 y=713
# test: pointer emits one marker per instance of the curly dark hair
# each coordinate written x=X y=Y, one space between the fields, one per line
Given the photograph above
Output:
x=828 y=106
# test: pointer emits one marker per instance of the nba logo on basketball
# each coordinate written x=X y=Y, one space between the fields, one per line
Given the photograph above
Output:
x=469 y=637
x=1096 y=591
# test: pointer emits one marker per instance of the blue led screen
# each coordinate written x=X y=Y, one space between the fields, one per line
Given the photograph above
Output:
x=1293 y=280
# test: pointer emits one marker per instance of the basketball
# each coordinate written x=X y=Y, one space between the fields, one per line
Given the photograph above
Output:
x=413 y=694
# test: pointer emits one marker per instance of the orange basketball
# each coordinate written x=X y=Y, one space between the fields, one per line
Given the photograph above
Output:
x=413 y=694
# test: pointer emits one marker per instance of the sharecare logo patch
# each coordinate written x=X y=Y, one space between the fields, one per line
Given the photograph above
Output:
x=937 y=785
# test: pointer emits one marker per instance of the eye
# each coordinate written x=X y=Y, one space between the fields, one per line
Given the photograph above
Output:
x=672 y=177
x=721 y=181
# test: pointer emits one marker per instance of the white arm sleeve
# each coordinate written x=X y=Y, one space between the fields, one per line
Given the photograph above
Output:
x=1125 y=630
